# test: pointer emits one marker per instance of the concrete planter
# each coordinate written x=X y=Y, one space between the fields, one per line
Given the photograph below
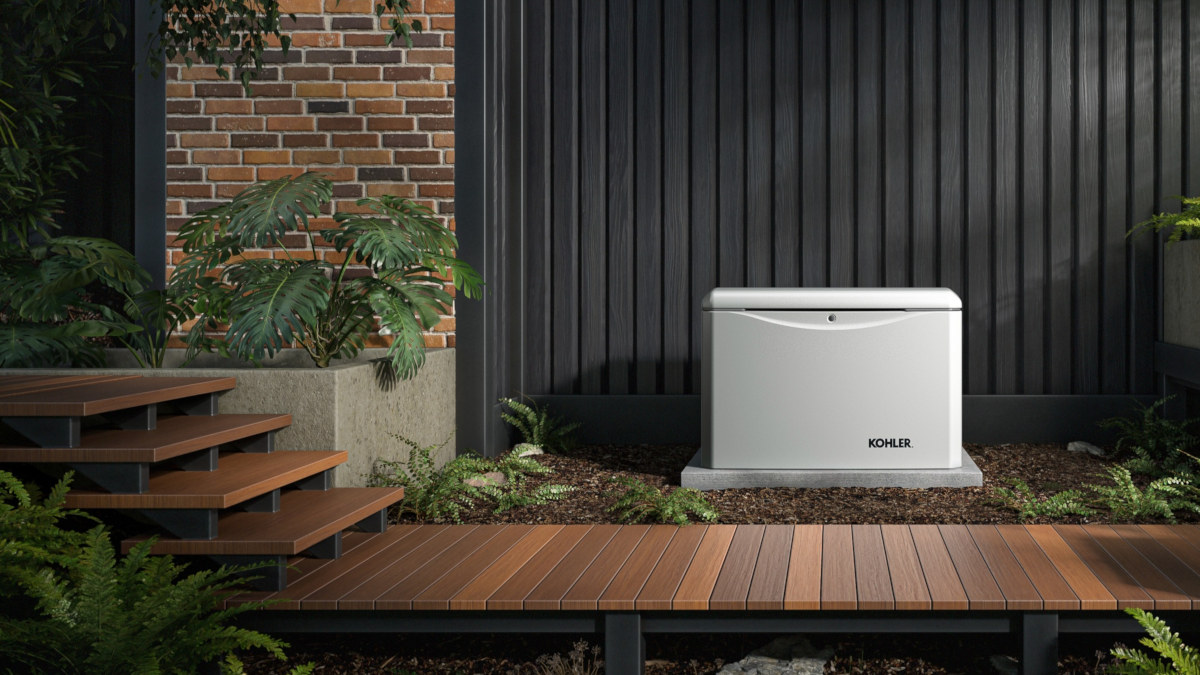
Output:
x=1181 y=293
x=342 y=407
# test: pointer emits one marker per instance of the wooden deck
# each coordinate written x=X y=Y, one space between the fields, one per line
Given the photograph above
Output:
x=753 y=568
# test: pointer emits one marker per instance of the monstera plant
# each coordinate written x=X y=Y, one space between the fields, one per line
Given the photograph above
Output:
x=319 y=302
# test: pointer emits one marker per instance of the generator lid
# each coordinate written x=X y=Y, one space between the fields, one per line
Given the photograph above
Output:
x=833 y=298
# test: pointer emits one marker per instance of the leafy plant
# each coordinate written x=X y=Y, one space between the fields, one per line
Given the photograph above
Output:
x=1022 y=499
x=69 y=606
x=1161 y=498
x=1181 y=659
x=433 y=494
x=538 y=427
x=303 y=298
x=581 y=660
x=1182 y=225
x=1155 y=441
x=640 y=502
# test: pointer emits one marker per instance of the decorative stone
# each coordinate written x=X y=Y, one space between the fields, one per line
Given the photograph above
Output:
x=489 y=478
x=527 y=449
x=1084 y=446
x=787 y=655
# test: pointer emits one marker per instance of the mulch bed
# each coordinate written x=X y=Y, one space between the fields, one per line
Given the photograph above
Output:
x=590 y=469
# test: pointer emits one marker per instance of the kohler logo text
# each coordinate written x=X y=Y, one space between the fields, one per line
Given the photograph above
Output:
x=889 y=443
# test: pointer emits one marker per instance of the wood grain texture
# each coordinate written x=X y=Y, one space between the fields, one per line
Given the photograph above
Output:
x=904 y=567
x=1015 y=585
x=379 y=573
x=623 y=591
x=697 y=585
x=662 y=584
x=300 y=569
x=351 y=567
x=549 y=592
x=305 y=517
x=1108 y=571
x=733 y=584
x=803 y=589
x=239 y=476
x=871 y=568
x=438 y=594
x=838 y=590
x=771 y=570
x=977 y=580
x=1161 y=588
x=511 y=595
x=475 y=594
x=102 y=397
x=1092 y=592
x=11 y=385
x=1168 y=552
x=435 y=568
x=1055 y=592
x=586 y=592
x=945 y=588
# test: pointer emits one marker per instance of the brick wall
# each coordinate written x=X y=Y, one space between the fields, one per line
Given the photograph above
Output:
x=377 y=119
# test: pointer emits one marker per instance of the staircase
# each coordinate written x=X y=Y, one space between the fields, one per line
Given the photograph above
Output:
x=208 y=484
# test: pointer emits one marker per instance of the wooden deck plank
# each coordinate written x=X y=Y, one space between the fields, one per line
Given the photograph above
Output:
x=733 y=584
x=586 y=592
x=623 y=592
x=1055 y=592
x=299 y=569
x=660 y=588
x=803 y=589
x=770 y=572
x=322 y=592
x=1108 y=571
x=977 y=580
x=475 y=594
x=697 y=585
x=26 y=384
x=401 y=595
x=1188 y=533
x=1090 y=590
x=1164 y=537
x=511 y=595
x=99 y=398
x=438 y=594
x=871 y=568
x=945 y=588
x=389 y=572
x=549 y=592
x=838 y=589
x=1165 y=593
x=904 y=567
x=1015 y=586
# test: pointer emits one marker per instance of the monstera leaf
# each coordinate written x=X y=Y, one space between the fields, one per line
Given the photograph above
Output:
x=261 y=214
x=273 y=304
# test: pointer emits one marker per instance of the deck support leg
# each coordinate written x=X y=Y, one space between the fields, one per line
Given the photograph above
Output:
x=48 y=432
x=624 y=644
x=1039 y=643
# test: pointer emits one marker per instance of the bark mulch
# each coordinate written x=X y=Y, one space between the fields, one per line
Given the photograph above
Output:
x=590 y=469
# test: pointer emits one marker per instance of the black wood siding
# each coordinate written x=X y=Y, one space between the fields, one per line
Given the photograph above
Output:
x=999 y=148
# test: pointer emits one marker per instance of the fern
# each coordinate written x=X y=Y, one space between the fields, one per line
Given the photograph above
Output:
x=1022 y=499
x=1161 y=498
x=640 y=502
x=538 y=427
x=1181 y=659
x=432 y=494
x=1155 y=441
x=1182 y=225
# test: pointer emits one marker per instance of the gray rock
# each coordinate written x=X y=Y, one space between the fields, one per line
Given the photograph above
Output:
x=489 y=478
x=527 y=449
x=1084 y=446
x=788 y=655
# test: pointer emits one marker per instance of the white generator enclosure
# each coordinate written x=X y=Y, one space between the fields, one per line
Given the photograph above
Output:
x=832 y=378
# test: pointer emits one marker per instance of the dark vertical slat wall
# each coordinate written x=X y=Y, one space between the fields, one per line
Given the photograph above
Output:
x=999 y=148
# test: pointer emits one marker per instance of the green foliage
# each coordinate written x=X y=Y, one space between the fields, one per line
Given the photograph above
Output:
x=1181 y=659
x=432 y=494
x=1022 y=499
x=1159 y=444
x=640 y=502
x=68 y=605
x=538 y=427
x=1182 y=225
x=1161 y=498
x=300 y=298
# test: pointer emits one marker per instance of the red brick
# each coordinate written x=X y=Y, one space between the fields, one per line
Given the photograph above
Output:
x=273 y=172
x=390 y=123
x=175 y=123
x=340 y=123
x=229 y=190
x=188 y=173
x=204 y=140
x=418 y=157
x=174 y=207
x=431 y=173
x=306 y=141
x=300 y=6
x=320 y=90
x=357 y=72
x=316 y=40
x=219 y=90
x=291 y=124
x=189 y=190
x=199 y=72
x=350 y=6
x=177 y=157
x=443 y=140
x=431 y=56
x=429 y=123
x=429 y=107
x=441 y=23
x=317 y=156
x=406 y=190
x=449 y=156
x=216 y=157
x=266 y=157
x=439 y=6
x=228 y=107
x=370 y=90
x=240 y=123
x=186 y=107
x=296 y=73
x=286 y=107
x=179 y=90
x=445 y=73
x=271 y=89
x=406 y=140
x=449 y=39
x=446 y=325
x=390 y=106
x=361 y=157
x=428 y=190
x=226 y=173
x=356 y=140
x=365 y=40
x=434 y=341
x=407 y=73
x=431 y=90
x=254 y=140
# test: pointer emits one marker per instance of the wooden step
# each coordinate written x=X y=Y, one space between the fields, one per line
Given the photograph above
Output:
x=21 y=384
x=95 y=398
x=176 y=435
x=305 y=518
x=240 y=476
